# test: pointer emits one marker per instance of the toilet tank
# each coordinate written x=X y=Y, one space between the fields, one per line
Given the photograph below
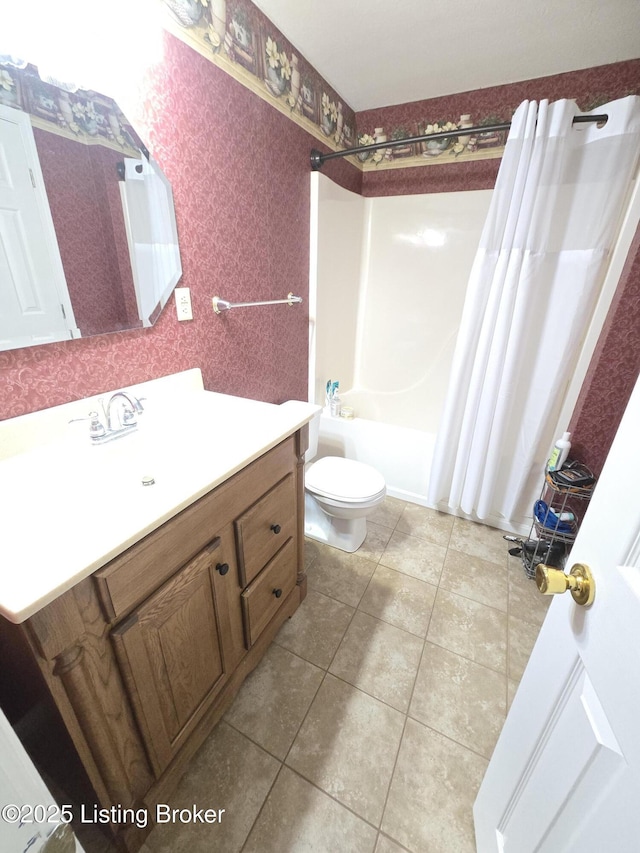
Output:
x=314 y=435
x=314 y=426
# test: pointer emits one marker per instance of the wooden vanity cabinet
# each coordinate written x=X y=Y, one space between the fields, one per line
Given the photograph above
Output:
x=143 y=657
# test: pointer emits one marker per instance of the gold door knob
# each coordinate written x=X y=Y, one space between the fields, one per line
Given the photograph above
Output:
x=579 y=581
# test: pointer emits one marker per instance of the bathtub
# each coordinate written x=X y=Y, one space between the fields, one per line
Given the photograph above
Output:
x=402 y=454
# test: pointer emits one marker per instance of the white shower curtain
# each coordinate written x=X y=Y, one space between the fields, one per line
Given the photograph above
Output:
x=542 y=257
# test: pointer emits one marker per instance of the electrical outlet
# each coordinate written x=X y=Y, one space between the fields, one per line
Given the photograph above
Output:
x=183 y=303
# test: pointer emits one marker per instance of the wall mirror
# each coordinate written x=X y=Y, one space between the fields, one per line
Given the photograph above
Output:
x=88 y=238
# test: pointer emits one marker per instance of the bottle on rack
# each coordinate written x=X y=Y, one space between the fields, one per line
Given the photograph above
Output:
x=559 y=453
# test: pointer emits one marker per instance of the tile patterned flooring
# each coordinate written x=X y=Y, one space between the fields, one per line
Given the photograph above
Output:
x=368 y=725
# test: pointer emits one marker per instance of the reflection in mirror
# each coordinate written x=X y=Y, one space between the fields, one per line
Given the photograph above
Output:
x=88 y=238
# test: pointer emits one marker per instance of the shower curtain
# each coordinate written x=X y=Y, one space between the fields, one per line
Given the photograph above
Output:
x=543 y=253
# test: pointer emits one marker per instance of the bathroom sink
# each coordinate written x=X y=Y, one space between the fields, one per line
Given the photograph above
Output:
x=171 y=450
x=69 y=505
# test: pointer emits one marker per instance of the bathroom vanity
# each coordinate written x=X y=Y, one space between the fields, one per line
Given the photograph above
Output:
x=145 y=644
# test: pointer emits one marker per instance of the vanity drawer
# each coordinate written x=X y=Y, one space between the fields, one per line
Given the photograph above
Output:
x=262 y=598
x=263 y=529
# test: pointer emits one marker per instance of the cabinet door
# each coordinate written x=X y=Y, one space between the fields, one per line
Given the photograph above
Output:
x=171 y=653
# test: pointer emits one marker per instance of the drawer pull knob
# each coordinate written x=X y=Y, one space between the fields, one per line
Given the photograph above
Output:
x=276 y=528
x=277 y=593
x=223 y=568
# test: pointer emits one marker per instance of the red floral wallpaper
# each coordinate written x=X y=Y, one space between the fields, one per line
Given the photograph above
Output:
x=240 y=175
x=83 y=208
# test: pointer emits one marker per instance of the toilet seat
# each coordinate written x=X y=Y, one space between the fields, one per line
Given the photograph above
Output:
x=344 y=480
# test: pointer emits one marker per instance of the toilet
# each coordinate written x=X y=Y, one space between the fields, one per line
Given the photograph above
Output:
x=339 y=495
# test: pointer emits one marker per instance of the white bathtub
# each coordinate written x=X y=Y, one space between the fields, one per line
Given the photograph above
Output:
x=401 y=454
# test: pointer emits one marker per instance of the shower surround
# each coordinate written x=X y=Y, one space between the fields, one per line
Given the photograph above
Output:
x=387 y=285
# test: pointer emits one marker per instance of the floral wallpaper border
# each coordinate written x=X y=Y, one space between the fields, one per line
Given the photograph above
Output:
x=81 y=115
x=237 y=37
x=481 y=146
x=589 y=87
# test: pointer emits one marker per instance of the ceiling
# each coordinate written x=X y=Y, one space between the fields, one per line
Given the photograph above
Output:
x=381 y=52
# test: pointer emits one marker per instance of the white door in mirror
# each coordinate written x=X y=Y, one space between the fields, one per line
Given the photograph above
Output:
x=34 y=300
x=183 y=303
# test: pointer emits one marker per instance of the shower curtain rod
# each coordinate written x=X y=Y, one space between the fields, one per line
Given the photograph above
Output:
x=318 y=158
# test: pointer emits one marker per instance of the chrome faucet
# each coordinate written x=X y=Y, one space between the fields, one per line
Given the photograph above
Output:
x=103 y=429
x=127 y=412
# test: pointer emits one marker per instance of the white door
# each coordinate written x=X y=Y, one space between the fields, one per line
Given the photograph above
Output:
x=31 y=818
x=34 y=301
x=565 y=774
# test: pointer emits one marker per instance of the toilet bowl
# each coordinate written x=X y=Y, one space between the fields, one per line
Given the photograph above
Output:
x=339 y=495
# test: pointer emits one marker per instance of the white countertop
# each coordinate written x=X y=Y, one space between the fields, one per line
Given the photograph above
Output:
x=67 y=507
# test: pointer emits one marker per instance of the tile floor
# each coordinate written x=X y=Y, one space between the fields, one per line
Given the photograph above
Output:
x=368 y=725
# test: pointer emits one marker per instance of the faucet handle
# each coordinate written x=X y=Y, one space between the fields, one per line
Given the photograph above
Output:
x=131 y=409
x=96 y=427
x=135 y=403
x=128 y=414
